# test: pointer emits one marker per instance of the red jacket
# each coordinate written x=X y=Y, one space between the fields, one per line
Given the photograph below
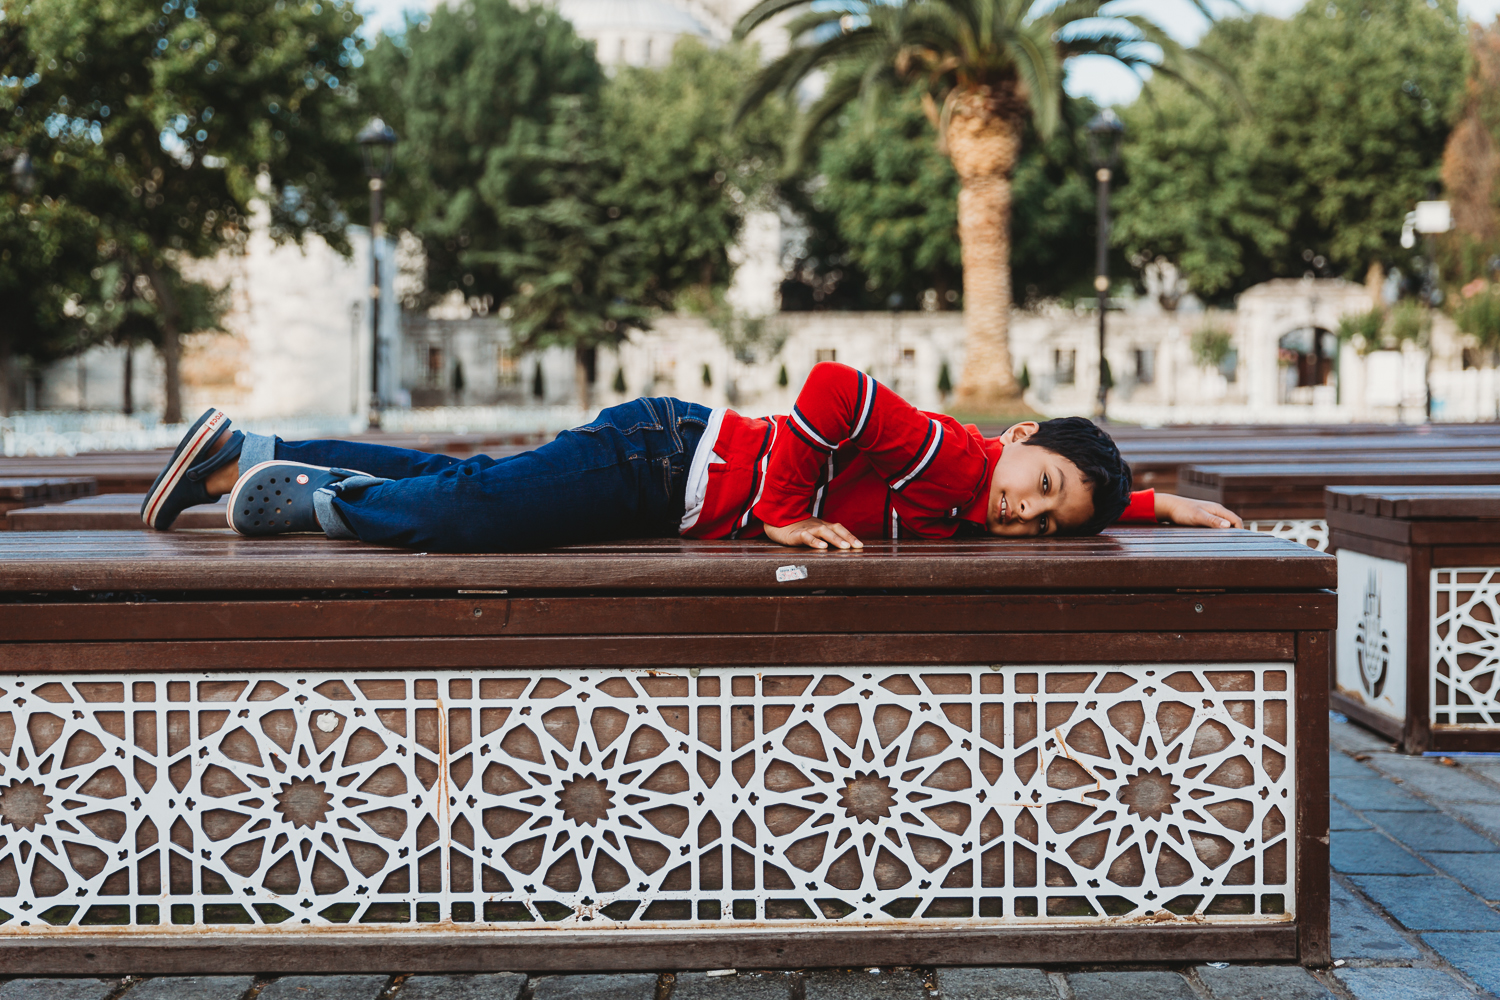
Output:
x=854 y=452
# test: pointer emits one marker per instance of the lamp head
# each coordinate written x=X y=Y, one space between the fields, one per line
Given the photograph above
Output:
x=377 y=143
x=1106 y=132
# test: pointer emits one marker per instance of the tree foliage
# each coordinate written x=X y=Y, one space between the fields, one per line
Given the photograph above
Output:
x=685 y=181
x=1350 y=104
x=472 y=90
x=162 y=123
x=889 y=198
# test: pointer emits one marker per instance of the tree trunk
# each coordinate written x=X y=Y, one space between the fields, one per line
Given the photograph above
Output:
x=585 y=370
x=6 y=359
x=127 y=404
x=984 y=141
x=171 y=345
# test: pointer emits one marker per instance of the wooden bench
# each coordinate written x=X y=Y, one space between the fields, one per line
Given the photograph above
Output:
x=235 y=754
x=1419 y=582
x=20 y=492
x=1157 y=463
x=1287 y=500
x=135 y=471
x=109 y=512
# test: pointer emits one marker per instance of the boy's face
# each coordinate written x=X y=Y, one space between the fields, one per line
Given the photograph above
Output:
x=1034 y=491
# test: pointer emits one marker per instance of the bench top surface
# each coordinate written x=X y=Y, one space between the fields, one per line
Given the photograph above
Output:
x=1271 y=474
x=1449 y=503
x=1142 y=559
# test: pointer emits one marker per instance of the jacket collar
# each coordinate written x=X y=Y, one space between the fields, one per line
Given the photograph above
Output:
x=978 y=510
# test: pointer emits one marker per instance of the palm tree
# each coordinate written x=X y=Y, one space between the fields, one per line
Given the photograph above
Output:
x=988 y=67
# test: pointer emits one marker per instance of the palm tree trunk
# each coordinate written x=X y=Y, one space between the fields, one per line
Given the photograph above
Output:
x=984 y=144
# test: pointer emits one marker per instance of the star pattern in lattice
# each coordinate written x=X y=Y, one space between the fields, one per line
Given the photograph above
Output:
x=1465 y=656
x=1309 y=531
x=631 y=798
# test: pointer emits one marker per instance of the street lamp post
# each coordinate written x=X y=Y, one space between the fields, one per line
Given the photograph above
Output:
x=377 y=142
x=1105 y=133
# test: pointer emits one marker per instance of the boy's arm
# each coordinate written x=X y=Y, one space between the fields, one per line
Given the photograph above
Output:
x=1150 y=506
x=931 y=466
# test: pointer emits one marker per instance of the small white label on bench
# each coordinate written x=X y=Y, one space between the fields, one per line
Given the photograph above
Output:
x=786 y=574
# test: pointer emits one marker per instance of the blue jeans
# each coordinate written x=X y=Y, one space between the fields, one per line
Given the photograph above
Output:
x=622 y=476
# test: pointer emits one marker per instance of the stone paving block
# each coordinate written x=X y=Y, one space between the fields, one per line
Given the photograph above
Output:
x=1262 y=982
x=192 y=988
x=1486 y=817
x=1341 y=765
x=491 y=986
x=1475 y=955
x=1438 y=781
x=1431 y=832
x=1375 y=793
x=1342 y=818
x=56 y=989
x=1129 y=986
x=857 y=984
x=995 y=984
x=1360 y=932
x=608 y=986
x=1428 y=903
x=1488 y=767
x=325 y=988
x=1348 y=737
x=1401 y=984
x=742 y=986
x=1370 y=852
x=1479 y=873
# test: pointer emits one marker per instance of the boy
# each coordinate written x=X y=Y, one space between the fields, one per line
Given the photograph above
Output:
x=852 y=460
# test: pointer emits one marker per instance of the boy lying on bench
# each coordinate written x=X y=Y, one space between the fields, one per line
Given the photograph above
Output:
x=852 y=460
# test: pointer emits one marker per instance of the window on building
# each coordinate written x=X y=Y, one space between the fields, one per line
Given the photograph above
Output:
x=908 y=355
x=1230 y=366
x=434 y=365
x=506 y=370
x=1145 y=365
x=1064 y=366
x=826 y=354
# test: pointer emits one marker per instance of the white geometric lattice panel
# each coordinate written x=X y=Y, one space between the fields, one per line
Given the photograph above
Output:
x=1465 y=685
x=618 y=798
x=1309 y=531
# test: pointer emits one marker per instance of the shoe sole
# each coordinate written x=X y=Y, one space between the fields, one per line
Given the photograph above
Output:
x=181 y=462
x=272 y=527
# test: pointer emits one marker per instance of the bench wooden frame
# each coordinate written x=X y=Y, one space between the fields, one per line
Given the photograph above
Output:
x=1125 y=602
x=1435 y=532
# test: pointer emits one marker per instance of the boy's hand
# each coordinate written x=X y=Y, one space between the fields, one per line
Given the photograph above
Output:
x=1195 y=513
x=815 y=533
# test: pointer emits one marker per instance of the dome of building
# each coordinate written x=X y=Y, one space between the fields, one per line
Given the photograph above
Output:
x=653 y=17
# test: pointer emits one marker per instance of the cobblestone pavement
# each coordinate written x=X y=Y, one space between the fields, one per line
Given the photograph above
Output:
x=1416 y=855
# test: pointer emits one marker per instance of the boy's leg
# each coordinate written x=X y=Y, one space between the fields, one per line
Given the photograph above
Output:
x=620 y=477
x=378 y=460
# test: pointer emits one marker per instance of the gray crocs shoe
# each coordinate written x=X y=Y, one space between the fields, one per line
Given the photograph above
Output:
x=274 y=498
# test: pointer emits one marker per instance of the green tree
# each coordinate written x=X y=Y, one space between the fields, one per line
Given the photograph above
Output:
x=684 y=179
x=1352 y=104
x=472 y=91
x=892 y=199
x=164 y=122
x=988 y=67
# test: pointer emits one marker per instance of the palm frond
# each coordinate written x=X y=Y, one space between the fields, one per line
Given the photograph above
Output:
x=787 y=72
x=1041 y=70
x=763 y=12
x=834 y=99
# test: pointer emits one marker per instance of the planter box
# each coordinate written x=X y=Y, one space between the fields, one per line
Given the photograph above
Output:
x=1419 y=578
x=231 y=754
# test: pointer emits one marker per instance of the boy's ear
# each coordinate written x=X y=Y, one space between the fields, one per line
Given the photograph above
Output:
x=1018 y=433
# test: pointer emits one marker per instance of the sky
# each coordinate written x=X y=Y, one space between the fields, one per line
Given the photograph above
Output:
x=1102 y=79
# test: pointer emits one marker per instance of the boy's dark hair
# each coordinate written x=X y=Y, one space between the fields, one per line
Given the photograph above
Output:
x=1081 y=442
